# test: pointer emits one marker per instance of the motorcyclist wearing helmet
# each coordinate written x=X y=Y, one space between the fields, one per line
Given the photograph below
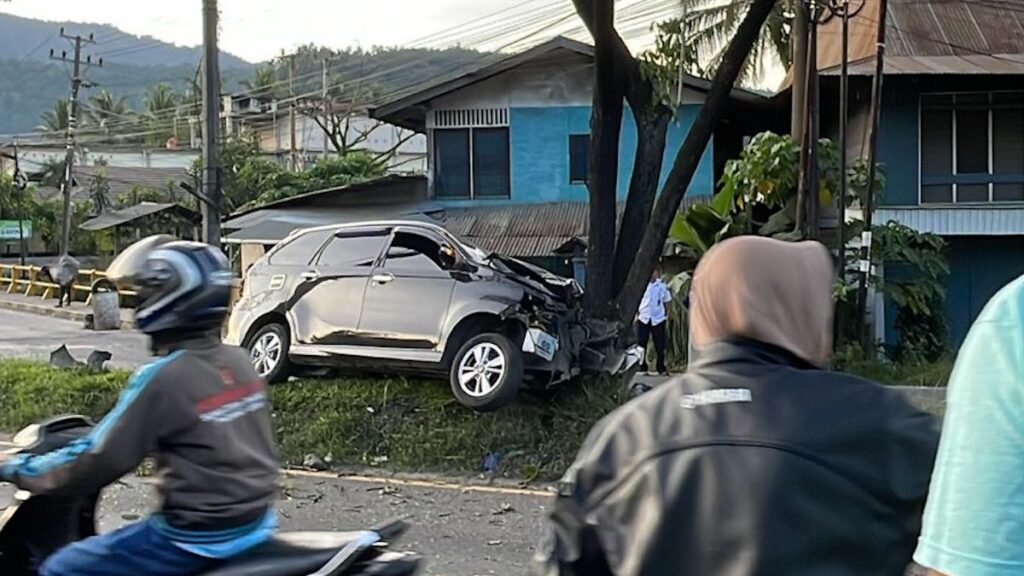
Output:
x=199 y=409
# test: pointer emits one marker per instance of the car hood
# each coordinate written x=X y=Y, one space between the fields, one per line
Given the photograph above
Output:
x=560 y=288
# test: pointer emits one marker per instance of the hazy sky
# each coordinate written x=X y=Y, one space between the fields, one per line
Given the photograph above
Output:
x=259 y=29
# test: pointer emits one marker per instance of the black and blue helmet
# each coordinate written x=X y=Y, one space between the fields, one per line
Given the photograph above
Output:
x=182 y=286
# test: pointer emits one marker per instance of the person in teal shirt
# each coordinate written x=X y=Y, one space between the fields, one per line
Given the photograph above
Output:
x=974 y=518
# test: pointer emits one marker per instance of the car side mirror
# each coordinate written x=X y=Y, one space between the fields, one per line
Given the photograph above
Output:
x=463 y=266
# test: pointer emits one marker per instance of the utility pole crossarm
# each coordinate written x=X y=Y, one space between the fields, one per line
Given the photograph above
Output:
x=77 y=82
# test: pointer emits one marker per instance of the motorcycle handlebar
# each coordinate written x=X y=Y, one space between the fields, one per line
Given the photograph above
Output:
x=391 y=529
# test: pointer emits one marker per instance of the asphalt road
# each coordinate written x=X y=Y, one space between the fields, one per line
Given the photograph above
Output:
x=32 y=336
x=459 y=530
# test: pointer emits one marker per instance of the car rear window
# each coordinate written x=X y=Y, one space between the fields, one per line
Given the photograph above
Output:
x=300 y=251
x=355 y=249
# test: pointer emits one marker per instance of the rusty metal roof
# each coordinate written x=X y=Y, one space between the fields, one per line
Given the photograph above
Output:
x=525 y=230
x=955 y=27
x=933 y=37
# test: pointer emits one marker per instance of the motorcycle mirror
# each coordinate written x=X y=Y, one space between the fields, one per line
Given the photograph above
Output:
x=123 y=270
x=28 y=436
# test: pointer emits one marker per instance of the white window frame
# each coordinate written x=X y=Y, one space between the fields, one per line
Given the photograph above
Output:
x=953 y=147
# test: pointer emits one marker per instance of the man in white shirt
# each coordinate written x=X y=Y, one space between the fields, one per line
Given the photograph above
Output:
x=651 y=320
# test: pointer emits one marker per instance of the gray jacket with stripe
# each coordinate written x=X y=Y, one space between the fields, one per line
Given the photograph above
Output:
x=202 y=413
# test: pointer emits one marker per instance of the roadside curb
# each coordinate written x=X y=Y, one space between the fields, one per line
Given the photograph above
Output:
x=52 y=312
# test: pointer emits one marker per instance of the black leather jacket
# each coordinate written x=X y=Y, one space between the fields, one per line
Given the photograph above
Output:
x=752 y=463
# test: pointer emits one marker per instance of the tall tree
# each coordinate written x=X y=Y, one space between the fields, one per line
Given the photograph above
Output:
x=709 y=25
x=55 y=120
x=160 y=99
x=263 y=81
x=105 y=109
x=614 y=291
x=161 y=102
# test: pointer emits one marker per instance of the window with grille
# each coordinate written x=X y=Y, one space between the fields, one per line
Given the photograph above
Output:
x=972 y=148
x=471 y=153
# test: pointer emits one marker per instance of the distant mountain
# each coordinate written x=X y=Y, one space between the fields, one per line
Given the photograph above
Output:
x=30 y=83
x=28 y=39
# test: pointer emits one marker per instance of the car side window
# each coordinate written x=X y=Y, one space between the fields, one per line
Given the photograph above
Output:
x=301 y=250
x=355 y=249
x=414 y=254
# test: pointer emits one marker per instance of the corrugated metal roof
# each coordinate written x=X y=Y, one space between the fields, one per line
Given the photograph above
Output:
x=525 y=230
x=122 y=180
x=51 y=193
x=954 y=27
x=125 y=215
x=998 y=64
x=360 y=192
x=958 y=221
x=932 y=37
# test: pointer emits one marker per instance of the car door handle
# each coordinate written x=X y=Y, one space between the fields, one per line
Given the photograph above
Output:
x=309 y=276
x=382 y=278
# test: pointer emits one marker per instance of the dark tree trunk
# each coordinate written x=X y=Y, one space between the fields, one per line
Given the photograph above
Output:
x=652 y=128
x=688 y=158
x=602 y=178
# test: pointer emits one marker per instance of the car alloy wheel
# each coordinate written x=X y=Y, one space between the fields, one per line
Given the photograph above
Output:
x=266 y=353
x=481 y=370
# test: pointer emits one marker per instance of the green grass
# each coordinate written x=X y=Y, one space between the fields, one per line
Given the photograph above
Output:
x=929 y=375
x=394 y=423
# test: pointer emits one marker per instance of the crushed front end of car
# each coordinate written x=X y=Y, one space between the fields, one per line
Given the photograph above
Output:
x=560 y=342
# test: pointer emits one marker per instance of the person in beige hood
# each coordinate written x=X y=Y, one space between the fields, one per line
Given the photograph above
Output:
x=757 y=460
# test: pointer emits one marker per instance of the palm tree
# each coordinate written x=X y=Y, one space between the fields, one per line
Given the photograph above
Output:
x=160 y=99
x=263 y=81
x=56 y=121
x=711 y=24
x=161 y=110
x=105 y=110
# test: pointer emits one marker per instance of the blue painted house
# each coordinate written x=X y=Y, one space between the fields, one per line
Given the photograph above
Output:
x=508 y=146
x=951 y=134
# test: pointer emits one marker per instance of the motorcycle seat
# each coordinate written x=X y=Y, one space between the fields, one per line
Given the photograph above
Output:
x=287 y=554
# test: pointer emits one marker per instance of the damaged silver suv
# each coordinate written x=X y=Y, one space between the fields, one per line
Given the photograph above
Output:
x=408 y=297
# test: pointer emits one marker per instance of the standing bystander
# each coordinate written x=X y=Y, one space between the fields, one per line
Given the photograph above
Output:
x=650 y=321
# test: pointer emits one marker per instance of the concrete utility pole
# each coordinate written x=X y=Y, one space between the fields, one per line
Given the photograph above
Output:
x=211 y=197
x=324 y=106
x=867 y=338
x=77 y=81
x=292 y=149
x=801 y=29
x=808 y=199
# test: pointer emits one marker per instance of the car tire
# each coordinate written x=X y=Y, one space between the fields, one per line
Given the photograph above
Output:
x=268 y=350
x=486 y=372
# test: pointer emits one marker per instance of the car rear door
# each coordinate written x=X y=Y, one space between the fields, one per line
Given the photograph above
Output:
x=326 y=305
x=408 y=296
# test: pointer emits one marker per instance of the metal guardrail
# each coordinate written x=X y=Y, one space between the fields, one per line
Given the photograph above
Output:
x=25 y=280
